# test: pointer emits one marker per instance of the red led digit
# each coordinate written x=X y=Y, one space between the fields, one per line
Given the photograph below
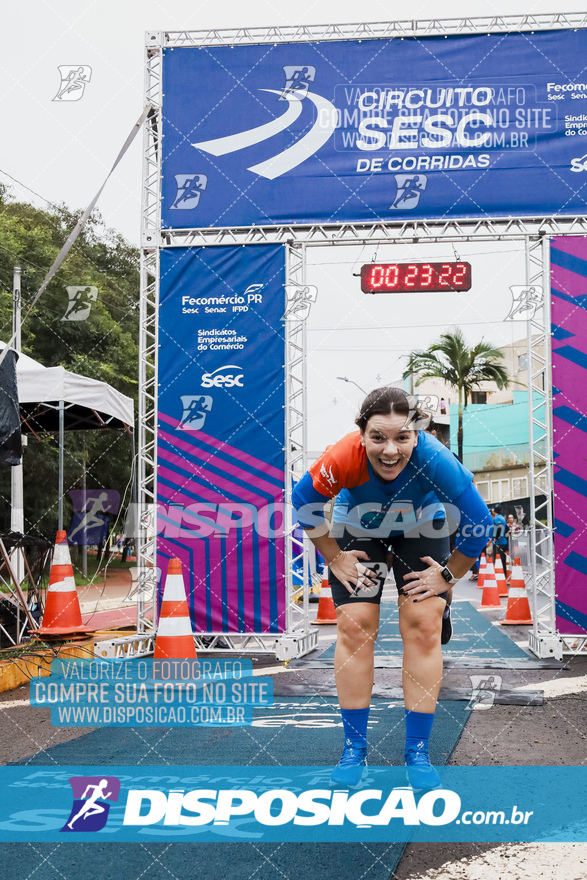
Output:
x=459 y=274
x=444 y=275
x=391 y=283
x=411 y=275
x=377 y=282
x=426 y=276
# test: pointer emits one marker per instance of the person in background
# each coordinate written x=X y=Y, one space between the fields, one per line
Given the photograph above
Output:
x=512 y=532
x=500 y=541
x=381 y=476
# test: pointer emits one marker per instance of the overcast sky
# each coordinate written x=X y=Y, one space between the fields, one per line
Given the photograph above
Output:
x=63 y=150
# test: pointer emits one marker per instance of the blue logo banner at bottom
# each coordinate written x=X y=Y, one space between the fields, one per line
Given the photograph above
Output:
x=285 y=804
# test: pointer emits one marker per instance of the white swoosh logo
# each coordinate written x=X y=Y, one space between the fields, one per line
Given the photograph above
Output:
x=234 y=142
x=307 y=146
x=279 y=164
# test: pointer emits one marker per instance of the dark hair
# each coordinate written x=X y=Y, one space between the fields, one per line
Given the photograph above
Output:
x=387 y=400
x=497 y=508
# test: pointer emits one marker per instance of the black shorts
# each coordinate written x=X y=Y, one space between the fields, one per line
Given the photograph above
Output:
x=407 y=550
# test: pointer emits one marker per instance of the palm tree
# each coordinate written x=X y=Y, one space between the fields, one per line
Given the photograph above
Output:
x=461 y=367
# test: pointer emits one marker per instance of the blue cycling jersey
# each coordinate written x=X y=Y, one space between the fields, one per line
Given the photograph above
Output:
x=371 y=506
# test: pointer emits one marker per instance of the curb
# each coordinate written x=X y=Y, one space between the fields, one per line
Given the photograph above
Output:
x=15 y=671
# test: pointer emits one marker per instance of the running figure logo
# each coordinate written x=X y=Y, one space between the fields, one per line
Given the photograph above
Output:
x=427 y=402
x=80 y=301
x=525 y=302
x=189 y=189
x=299 y=299
x=90 y=805
x=409 y=189
x=92 y=511
x=297 y=79
x=195 y=409
x=74 y=78
x=484 y=690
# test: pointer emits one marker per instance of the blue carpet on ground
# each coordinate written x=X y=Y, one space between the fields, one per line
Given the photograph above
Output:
x=296 y=730
x=473 y=636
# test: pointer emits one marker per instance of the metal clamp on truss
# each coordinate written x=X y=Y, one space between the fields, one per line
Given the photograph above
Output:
x=150 y=239
x=291 y=645
x=545 y=645
x=125 y=647
x=154 y=39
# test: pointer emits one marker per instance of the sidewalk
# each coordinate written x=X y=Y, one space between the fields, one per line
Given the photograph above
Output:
x=103 y=604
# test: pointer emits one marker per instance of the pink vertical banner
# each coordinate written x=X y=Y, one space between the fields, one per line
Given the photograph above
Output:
x=569 y=406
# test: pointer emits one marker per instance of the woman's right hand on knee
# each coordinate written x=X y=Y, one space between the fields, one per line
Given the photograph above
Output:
x=349 y=571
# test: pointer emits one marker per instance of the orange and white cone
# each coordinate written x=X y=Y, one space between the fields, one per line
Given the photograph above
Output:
x=518 y=607
x=508 y=566
x=326 y=610
x=482 y=572
x=175 y=638
x=490 y=596
x=502 y=586
x=62 y=615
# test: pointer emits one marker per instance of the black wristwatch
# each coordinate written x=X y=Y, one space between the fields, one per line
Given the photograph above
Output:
x=448 y=575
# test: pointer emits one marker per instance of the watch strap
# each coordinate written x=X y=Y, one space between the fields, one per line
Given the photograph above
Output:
x=453 y=579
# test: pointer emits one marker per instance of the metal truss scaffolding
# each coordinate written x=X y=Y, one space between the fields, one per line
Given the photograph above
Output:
x=398 y=232
x=543 y=640
x=298 y=638
x=148 y=344
x=536 y=232
x=497 y=24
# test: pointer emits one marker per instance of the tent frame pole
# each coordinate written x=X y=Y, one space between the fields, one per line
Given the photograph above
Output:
x=61 y=440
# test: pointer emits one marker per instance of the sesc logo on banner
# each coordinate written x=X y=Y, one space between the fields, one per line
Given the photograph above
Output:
x=482 y=128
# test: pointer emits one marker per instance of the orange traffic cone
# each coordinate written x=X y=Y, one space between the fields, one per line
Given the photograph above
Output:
x=326 y=610
x=518 y=608
x=482 y=572
x=508 y=566
x=62 y=614
x=502 y=586
x=490 y=596
x=175 y=639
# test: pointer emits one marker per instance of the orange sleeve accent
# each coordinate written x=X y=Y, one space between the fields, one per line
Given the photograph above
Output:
x=341 y=466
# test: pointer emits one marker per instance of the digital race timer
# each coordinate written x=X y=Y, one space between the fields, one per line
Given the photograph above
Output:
x=406 y=277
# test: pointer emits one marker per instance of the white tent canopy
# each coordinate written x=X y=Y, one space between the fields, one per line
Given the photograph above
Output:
x=53 y=400
x=38 y=385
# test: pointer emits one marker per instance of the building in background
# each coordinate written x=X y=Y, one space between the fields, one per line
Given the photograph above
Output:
x=495 y=432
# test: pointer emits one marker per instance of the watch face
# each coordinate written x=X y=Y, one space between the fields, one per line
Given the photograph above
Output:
x=446 y=575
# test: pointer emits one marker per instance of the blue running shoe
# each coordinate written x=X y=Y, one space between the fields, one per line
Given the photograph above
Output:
x=421 y=774
x=352 y=766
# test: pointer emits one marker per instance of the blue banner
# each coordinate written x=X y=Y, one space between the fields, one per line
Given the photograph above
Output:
x=471 y=126
x=221 y=442
x=277 y=804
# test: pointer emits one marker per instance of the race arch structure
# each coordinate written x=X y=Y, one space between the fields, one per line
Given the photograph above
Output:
x=263 y=143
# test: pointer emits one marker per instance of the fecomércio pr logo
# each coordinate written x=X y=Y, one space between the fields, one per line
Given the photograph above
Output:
x=91 y=796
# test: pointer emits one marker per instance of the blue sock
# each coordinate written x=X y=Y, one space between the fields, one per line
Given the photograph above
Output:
x=355 y=726
x=418 y=727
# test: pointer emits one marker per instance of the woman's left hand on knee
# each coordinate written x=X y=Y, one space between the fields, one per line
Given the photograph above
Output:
x=426 y=583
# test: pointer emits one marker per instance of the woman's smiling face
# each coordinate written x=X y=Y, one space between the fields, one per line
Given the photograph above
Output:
x=388 y=444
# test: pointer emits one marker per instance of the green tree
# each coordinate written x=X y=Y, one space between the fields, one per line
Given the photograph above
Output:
x=105 y=346
x=461 y=367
